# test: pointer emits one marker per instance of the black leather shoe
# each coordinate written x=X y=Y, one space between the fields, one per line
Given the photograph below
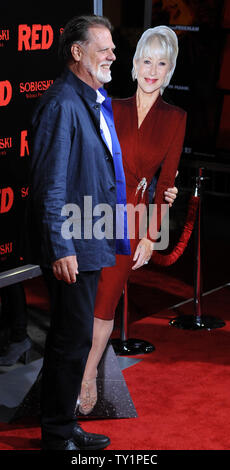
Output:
x=58 y=444
x=89 y=441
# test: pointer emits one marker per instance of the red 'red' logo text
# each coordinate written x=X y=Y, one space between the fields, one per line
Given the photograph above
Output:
x=35 y=37
x=5 y=92
x=6 y=199
x=24 y=146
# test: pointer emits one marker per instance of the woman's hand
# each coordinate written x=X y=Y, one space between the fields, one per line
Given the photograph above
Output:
x=143 y=253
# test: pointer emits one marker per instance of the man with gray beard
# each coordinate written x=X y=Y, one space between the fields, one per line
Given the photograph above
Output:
x=72 y=158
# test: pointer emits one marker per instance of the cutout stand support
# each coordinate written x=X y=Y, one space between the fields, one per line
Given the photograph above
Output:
x=125 y=346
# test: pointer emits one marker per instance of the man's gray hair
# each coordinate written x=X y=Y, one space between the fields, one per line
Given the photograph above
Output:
x=76 y=31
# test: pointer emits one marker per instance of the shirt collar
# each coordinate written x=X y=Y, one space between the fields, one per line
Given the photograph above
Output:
x=100 y=97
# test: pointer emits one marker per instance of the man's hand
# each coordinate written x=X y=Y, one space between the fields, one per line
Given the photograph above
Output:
x=66 y=269
x=170 y=195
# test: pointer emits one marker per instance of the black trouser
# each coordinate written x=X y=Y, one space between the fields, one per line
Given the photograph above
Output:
x=67 y=347
x=14 y=312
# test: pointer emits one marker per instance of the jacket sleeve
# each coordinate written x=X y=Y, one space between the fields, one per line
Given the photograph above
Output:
x=49 y=165
x=167 y=177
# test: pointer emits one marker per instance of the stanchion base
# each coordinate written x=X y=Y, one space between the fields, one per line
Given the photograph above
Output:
x=131 y=347
x=191 y=322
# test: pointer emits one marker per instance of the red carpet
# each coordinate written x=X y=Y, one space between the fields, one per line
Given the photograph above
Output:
x=180 y=391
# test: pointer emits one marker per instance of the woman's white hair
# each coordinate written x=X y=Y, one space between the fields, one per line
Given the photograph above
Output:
x=168 y=47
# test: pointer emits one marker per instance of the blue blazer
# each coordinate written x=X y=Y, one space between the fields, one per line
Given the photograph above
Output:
x=70 y=160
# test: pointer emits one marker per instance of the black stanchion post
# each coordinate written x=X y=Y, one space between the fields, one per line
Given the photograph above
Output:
x=198 y=321
x=125 y=346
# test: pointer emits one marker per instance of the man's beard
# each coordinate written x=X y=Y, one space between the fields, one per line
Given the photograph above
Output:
x=103 y=76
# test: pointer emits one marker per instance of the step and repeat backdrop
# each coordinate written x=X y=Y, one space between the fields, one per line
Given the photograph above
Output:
x=29 y=65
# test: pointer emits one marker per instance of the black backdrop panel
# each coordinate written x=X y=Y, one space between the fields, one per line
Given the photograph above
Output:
x=194 y=85
x=29 y=65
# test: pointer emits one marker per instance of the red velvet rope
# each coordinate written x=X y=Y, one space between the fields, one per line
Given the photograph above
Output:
x=167 y=260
